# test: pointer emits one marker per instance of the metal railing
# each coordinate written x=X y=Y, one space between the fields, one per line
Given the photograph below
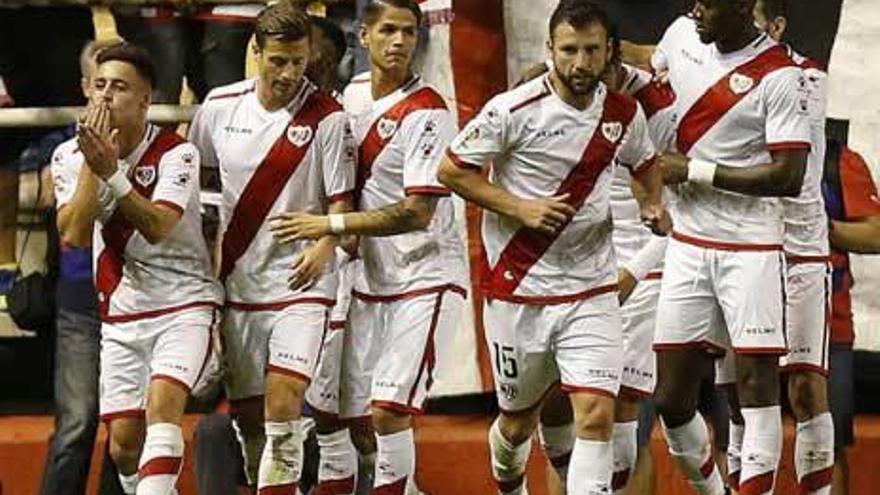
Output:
x=60 y=116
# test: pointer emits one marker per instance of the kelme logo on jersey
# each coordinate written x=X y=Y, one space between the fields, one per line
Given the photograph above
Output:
x=299 y=135
x=386 y=128
x=145 y=175
x=739 y=83
x=612 y=131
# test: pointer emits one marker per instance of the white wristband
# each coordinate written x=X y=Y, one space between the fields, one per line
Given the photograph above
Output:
x=337 y=223
x=119 y=184
x=701 y=171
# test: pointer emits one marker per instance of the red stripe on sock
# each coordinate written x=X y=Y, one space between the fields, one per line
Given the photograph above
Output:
x=510 y=485
x=815 y=481
x=288 y=489
x=396 y=488
x=160 y=465
x=757 y=485
x=707 y=468
x=561 y=461
x=619 y=479
x=733 y=480
x=335 y=487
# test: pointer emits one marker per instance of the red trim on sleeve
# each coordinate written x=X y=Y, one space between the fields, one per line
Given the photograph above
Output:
x=458 y=162
x=788 y=145
x=169 y=204
x=427 y=191
x=343 y=196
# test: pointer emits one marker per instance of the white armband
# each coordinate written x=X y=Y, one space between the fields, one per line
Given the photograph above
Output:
x=647 y=258
x=119 y=184
x=337 y=223
x=701 y=171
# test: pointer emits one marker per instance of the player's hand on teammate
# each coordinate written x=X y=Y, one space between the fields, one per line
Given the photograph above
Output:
x=626 y=284
x=656 y=217
x=97 y=141
x=674 y=167
x=296 y=226
x=549 y=215
x=309 y=265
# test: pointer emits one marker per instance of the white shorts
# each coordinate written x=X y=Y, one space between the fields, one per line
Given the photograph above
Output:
x=533 y=347
x=390 y=349
x=807 y=314
x=705 y=291
x=174 y=347
x=638 y=315
x=286 y=341
x=323 y=392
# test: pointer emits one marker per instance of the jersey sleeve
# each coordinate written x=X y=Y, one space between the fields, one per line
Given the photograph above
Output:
x=661 y=57
x=339 y=156
x=429 y=133
x=483 y=138
x=200 y=135
x=65 y=174
x=860 y=195
x=787 y=105
x=178 y=177
x=637 y=150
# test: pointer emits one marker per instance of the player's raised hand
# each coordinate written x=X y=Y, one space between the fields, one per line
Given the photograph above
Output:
x=549 y=215
x=309 y=265
x=98 y=143
x=656 y=217
x=294 y=226
x=674 y=167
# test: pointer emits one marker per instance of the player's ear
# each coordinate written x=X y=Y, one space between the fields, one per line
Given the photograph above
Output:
x=362 y=35
x=777 y=27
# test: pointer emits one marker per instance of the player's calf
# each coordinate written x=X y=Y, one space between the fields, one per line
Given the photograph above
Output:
x=556 y=432
x=758 y=390
x=281 y=461
x=395 y=451
x=814 y=440
x=126 y=440
x=591 y=457
x=337 y=471
x=162 y=455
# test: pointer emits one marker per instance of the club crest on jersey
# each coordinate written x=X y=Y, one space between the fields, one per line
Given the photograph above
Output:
x=145 y=175
x=740 y=83
x=612 y=131
x=299 y=135
x=386 y=128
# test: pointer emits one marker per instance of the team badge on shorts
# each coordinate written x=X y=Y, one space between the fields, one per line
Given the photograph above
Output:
x=509 y=391
x=739 y=83
x=612 y=131
x=145 y=175
x=299 y=135
x=386 y=128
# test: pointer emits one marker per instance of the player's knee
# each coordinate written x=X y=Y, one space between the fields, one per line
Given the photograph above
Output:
x=593 y=416
x=125 y=449
x=362 y=436
x=518 y=427
x=387 y=421
x=806 y=393
x=758 y=381
x=284 y=397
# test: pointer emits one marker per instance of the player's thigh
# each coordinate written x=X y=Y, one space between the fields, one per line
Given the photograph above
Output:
x=807 y=299
x=323 y=392
x=297 y=334
x=638 y=316
x=360 y=353
x=125 y=372
x=245 y=348
x=182 y=346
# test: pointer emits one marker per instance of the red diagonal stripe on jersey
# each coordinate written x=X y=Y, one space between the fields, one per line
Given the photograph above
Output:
x=335 y=487
x=269 y=179
x=528 y=245
x=117 y=231
x=815 y=481
x=757 y=485
x=373 y=143
x=654 y=97
x=286 y=489
x=160 y=465
x=396 y=488
x=720 y=98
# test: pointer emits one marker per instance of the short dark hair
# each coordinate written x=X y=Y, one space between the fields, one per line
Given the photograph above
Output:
x=332 y=32
x=133 y=55
x=774 y=8
x=375 y=8
x=579 y=13
x=283 y=21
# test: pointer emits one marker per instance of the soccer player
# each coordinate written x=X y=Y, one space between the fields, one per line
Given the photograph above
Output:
x=157 y=297
x=413 y=260
x=744 y=135
x=281 y=145
x=552 y=311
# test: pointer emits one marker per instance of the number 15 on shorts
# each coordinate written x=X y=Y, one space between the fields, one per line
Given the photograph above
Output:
x=505 y=360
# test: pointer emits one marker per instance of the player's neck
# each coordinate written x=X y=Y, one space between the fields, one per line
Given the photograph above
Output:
x=572 y=99
x=130 y=137
x=384 y=82
x=739 y=40
x=269 y=101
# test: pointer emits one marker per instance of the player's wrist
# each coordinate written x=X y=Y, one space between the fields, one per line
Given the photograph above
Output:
x=118 y=184
x=701 y=171
x=337 y=223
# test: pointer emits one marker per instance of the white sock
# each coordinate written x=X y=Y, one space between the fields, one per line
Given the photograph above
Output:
x=251 y=450
x=128 y=482
x=395 y=463
x=625 y=450
x=689 y=446
x=557 y=442
x=591 y=460
x=338 y=467
x=761 y=449
x=161 y=459
x=508 y=461
x=814 y=455
x=281 y=463
x=734 y=454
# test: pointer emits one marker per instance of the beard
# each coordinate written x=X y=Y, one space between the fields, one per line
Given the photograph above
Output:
x=582 y=85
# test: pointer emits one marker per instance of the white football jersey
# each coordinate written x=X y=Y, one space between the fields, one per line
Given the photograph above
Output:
x=401 y=138
x=539 y=147
x=134 y=278
x=732 y=109
x=297 y=159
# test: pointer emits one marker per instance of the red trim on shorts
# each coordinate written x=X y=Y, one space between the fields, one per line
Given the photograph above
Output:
x=335 y=487
x=285 y=489
x=427 y=191
x=576 y=389
x=779 y=351
x=337 y=325
x=634 y=392
x=429 y=356
x=125 y=413
x=458 y=162
x=705 y=345
x=335 y=416
x=171 y=380
x=381 y=298
x=160 y=465
x=645 y=166
x=395 y=406
x=274 y=368
x=815 y=481
x=210 y=347
x=169 y=204
x=757 y=485
x=654 y=276
x=279 y=305
x=530 y=406
x=797 y=260
x=724 y=246
x=803 y=367
x=551 y=300
x=155 y=313
x=343 y=196
x=788 y=145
